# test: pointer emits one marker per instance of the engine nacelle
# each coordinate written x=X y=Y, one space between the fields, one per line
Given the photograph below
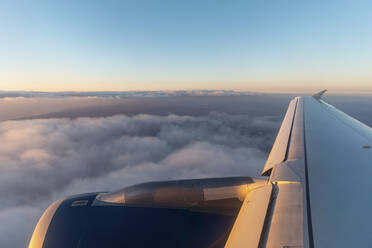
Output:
x=184 y=213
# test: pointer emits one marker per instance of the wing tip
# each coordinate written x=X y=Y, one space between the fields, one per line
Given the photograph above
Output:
x=319 y=95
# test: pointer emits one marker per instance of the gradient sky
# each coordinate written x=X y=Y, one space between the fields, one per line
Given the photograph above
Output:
x=169 y=45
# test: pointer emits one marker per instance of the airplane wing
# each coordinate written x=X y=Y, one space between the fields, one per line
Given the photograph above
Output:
x=319 y=191
x=316 y=194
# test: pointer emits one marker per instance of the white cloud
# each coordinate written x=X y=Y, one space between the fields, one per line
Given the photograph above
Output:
x=44 y=159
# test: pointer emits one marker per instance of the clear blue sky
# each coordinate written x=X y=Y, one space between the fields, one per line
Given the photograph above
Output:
x=152 y=45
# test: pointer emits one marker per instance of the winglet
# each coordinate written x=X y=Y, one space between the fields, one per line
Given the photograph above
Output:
x=319 y=95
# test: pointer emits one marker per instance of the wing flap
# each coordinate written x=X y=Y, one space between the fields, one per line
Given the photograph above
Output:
x=286 y=225
x=248 y=226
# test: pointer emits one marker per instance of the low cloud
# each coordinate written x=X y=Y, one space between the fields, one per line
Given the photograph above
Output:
x=42 y=160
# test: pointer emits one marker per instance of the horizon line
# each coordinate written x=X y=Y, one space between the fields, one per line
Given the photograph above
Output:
x=222 y=91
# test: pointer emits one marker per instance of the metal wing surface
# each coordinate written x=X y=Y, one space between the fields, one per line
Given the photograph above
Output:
x=320 y=170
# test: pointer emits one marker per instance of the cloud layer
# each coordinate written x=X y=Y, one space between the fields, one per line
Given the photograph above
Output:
x=44 y=159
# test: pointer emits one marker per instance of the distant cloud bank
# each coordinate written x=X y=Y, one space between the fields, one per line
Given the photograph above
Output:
x=6 y=94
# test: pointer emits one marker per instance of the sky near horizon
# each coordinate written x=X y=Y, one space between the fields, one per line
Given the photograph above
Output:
x=170 y=45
